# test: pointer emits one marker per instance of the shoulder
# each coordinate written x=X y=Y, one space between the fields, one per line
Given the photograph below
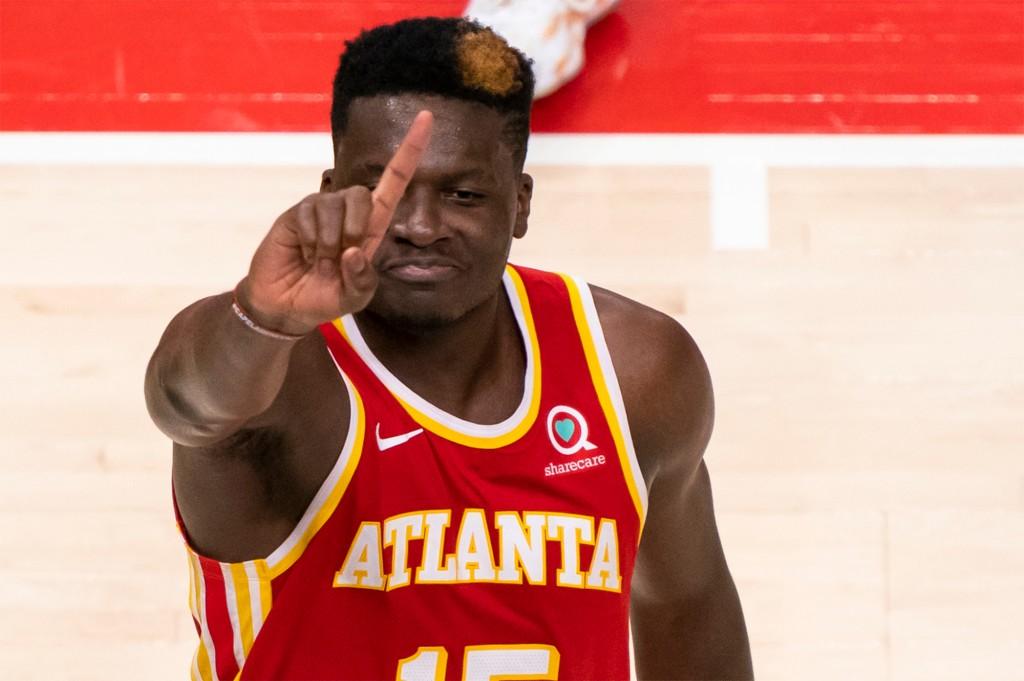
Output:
x=665 y=383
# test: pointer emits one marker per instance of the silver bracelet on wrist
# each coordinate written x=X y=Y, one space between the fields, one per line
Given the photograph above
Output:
x=256 y=327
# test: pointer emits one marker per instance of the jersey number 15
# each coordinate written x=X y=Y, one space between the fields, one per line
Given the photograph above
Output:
x=482 y=663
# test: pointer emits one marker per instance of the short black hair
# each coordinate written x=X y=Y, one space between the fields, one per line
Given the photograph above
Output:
x=449 y=57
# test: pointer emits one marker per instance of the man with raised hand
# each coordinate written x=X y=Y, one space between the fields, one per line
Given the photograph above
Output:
x=398 y=456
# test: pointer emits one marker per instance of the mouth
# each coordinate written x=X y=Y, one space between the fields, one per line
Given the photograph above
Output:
x=421 y=270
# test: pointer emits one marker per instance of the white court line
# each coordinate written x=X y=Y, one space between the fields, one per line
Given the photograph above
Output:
x=738 y=163
x=738 y=196
x=870 y=151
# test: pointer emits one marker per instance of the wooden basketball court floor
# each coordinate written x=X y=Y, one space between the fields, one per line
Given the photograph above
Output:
x=868 y=366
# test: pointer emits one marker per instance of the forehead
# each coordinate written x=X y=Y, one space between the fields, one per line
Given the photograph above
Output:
x=464 y=132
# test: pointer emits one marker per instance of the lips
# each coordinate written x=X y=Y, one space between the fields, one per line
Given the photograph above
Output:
x=421 y=270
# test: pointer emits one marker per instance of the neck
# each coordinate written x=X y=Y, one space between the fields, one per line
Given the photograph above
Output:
x=472 y=368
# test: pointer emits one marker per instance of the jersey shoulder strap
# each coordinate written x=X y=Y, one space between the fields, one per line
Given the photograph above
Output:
x=564 y=295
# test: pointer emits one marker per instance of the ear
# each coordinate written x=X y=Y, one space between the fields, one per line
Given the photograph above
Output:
x=523 y=196
x=327 y=180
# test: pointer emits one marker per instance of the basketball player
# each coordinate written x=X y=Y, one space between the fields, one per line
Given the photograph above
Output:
x=398 y=457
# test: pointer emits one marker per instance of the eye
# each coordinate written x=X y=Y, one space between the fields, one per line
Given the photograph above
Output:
x=464 y=196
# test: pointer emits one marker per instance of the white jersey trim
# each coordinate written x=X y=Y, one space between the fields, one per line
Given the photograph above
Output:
x=327 y=488
x=612 y=383
x=204 y=627
x=254 y=598
x=232 y=603
x=405 y=394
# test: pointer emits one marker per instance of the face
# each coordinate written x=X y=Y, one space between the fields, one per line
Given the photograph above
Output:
x=446 y=248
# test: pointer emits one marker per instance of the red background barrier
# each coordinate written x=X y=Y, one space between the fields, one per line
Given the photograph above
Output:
x=757 y=66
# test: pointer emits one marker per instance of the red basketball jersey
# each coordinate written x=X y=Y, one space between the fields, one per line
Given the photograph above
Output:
x=443 y=549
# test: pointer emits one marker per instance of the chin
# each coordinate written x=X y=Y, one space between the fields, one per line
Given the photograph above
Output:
x=425 y=309
x=415 y=311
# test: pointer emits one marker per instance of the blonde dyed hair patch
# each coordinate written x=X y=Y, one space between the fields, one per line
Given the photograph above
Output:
x=486 y=62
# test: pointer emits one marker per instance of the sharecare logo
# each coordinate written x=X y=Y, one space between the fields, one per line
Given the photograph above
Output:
x=575 y=465
x=567 y=430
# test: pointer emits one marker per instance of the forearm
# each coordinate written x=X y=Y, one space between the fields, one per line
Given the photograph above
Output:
x=210 y=373
x=703 y=639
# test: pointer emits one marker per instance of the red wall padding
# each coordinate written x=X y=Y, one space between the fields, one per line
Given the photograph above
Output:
x=758 y=66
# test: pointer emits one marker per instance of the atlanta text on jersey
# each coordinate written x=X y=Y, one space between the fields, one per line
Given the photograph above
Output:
x=521 y=555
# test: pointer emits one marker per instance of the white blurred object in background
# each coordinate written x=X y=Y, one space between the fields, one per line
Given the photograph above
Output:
x=550 y=32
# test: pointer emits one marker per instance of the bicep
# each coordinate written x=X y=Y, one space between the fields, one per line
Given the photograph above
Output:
x=680 y=556
x=680 y=553
x=686 y=615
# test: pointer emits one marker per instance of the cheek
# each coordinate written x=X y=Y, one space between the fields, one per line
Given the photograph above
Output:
x=500 y=232
x=487 y=229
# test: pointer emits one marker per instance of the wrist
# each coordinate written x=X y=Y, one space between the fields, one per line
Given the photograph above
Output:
x=265 y=325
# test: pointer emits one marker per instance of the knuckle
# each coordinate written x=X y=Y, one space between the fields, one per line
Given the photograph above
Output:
x=360 y=205
x=328 y=207
x=303 y=214
x=398 y=172
x=331 y=199
x=359 y=193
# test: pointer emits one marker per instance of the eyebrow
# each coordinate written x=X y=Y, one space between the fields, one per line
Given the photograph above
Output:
x=479 y=174
x=370 y=168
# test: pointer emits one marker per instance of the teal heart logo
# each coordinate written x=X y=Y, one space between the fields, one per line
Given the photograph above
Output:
x=565 y=429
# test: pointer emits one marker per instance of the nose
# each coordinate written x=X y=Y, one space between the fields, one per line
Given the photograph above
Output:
x=417 y=218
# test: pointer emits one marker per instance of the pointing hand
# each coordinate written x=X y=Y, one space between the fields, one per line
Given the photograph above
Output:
x=315 y=263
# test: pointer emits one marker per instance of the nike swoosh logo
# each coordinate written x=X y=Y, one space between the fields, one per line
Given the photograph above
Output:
x=386 y=443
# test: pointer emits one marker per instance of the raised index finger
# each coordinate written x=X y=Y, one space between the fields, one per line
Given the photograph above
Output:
x=395 y=179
